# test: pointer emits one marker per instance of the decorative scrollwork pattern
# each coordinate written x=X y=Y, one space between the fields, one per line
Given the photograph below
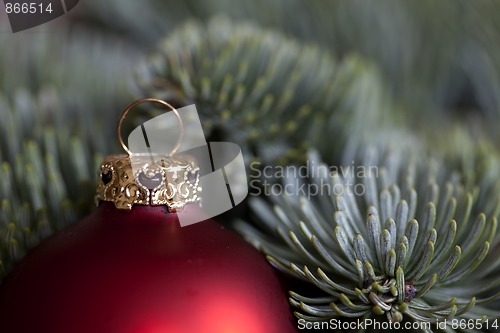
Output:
x=172 y=182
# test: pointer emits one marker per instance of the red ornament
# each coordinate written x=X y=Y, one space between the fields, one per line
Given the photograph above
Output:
x=130 y=267
x=138 y=271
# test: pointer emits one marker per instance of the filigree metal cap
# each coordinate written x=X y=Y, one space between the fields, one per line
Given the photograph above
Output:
x=172 y=182
x=148 y=179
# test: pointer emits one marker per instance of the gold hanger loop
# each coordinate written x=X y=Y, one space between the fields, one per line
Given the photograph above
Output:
x=151 y=100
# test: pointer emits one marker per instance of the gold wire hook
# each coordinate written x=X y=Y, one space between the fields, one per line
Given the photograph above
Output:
x=152 y=100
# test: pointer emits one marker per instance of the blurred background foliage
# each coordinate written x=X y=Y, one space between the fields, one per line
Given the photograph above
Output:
x=276 y=76
x=437 y=55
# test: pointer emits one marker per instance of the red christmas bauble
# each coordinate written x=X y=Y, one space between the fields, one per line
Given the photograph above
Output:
x=138 y=271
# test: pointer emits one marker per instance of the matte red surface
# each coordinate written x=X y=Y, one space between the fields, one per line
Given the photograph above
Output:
x=139 y=272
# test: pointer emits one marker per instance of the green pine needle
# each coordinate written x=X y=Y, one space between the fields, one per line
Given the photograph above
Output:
x=58 y=108
x=418 y=244
x=252 y=85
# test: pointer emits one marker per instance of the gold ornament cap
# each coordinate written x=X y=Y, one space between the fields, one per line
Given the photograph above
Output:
x=149 y=179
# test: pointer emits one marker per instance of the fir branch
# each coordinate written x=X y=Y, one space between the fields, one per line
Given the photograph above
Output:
x=57 y=102
x=253 y=85
x=421 y=264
